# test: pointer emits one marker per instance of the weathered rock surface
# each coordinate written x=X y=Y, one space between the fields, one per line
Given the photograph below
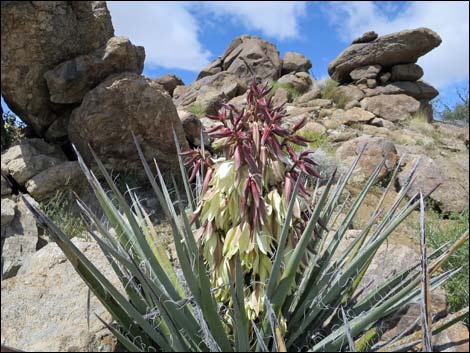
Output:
x=19 y=239
x=71 y=80
x=452 y=195
x=406 y=72
x=47 y=183
x=452 y=339
x=365 y=72
x=37 y=36
x=351 y=92
x=247 y=55
x=355 y=115
x=377 y=149
x=391 y=107
x=281 y=96
x=122 y=104
x=419 y=90
x=366 y=37
x=44 y=308
x=193 y=129
x=169 y=82
x=8 y=211
x=30 y=157
x=314 y=93
x=210 y=92
x=5 y=186
x=397 y=48
x=295 y=62
x=300 y=81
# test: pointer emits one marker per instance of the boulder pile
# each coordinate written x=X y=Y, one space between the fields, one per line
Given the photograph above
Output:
x=59 y=57
x=384 y=70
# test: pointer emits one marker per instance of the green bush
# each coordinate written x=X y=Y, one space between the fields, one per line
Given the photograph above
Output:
x=62 y=211
x=197 y=109
x=275 y=85
x=329 y=90
x=441 y=231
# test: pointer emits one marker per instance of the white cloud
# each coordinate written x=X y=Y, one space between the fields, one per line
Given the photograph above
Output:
x=445 y=65
x=278 y=20
x=167 y=30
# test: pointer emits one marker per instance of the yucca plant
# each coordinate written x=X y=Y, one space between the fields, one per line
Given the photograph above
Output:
x=309 y=295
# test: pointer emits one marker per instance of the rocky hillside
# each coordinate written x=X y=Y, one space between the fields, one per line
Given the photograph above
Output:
x=67 y=76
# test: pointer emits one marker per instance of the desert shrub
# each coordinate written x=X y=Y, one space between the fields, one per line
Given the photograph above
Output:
x=258 y=267
x=197 y=109
x=61 y=209
x=459 y=112
x=329 y=90
x=275 y=85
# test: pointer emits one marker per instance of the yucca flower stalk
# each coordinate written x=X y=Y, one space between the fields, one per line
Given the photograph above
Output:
x=246 y=192
x=312 y=296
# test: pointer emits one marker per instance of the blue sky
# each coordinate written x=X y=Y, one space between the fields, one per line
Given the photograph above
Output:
x=183 y=37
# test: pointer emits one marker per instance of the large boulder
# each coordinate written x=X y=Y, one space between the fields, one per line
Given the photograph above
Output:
x=353 y=116
x=122 y=104
x=44 y=308
x=169 y=82
x=392 y=107
x=365 y=72
x=295 y=62
x=419 y=90
x=36 y=36
x=247 y=56
x=210 y=92
x=450 y=176
x=47 y=183
x=406 y=72
x=71 y=80
x=300 y=81
x=397 y=48
x=376 y=150
x=29 y=158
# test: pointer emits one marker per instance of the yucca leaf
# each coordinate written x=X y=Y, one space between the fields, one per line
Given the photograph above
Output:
x=426 y=320
x=108 y=295
x=282 y=243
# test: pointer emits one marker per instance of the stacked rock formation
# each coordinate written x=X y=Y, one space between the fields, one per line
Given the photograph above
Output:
x=57 y=55
x=381 y=75
x=229 y=76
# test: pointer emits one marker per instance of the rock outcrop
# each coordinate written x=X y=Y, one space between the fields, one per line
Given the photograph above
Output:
x=295 y=62
x=393 y=49
x=71 y=80
x=387 y=66
x=122 y=104
x=247 y=56
x=210 y=92
x=169 y=82
x=37 y=36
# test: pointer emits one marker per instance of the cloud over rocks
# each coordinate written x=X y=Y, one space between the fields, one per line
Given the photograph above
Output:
x=167 y=30
x=170 y=31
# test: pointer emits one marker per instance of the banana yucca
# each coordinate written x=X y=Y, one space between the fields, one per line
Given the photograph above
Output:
x=258 y=264
x=246 y=192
